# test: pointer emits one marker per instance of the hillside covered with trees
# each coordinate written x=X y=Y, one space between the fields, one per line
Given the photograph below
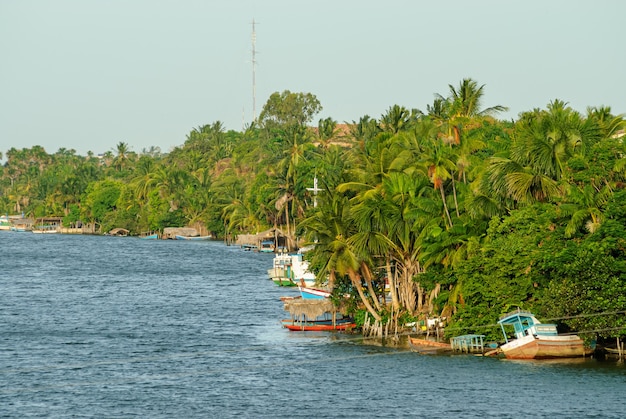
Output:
x=464 y=215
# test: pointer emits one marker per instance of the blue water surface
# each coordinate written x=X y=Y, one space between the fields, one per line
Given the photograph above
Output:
x=121 y=327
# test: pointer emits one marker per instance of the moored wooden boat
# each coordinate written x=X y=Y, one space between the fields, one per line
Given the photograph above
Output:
x=45 y=229
x=314 y=293
x=290 y=269
x=179 y=237
x=281 y=272
x=268 y=246
x=149 y=236
x=319 y=325
x=427 y=346
x=536 y=340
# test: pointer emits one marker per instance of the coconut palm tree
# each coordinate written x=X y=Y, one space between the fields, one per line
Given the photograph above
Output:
x=330 y=227
x=440 y=163
x=543 y=141
x=586 y=208
x=398 y=118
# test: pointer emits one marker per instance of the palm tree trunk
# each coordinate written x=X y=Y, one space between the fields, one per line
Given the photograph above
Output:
x=368 y=280
x=356 y=281
x=445 y=206
x=287 y=219
x=392 y=286
x=407 y=291
x=456 y=203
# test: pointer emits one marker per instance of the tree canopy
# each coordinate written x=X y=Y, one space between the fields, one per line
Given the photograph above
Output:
x=445 y=213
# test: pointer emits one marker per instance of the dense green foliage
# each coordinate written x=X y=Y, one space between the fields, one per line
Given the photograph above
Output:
x=460 y=214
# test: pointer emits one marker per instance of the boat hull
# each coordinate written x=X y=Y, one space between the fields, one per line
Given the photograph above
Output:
x=318 y=325
x=280 y=277
x=545 y=347
x=313 y=293
x=193 y=237
x=429 y=346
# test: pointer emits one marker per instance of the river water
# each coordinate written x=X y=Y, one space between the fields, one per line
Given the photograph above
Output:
x=122 y=327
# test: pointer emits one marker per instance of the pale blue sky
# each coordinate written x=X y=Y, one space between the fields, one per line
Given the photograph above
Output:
x=87 y=74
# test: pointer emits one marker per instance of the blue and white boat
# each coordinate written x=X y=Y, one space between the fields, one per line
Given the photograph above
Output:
x=151 y=236
x=310 y=293
x=179 y=237
x=536 y=340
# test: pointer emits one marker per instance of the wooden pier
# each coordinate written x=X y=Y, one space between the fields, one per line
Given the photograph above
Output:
x=469 y=344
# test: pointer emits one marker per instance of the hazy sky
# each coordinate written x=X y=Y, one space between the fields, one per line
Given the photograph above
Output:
x=88 y=74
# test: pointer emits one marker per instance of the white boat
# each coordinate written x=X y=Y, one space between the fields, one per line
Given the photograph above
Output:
x=5 y=222
x=291 y=269
x=281 y=272
x=179 y=237
x=46 y=229
x=536 y=340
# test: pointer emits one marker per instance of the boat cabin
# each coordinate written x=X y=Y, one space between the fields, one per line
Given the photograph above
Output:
x=267 y=246
x=524 y=324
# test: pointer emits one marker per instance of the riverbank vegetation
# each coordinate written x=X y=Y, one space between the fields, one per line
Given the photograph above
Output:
x=455 y=213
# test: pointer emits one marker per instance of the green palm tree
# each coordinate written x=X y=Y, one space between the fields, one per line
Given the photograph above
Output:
x=121 y=159
x=330 y=227
x=543 y=141
x=608 y=124
x=462 y=107
x=466 y=100
x=585 y=207
x=326 y=131
x=440 y=164
x=398 y=119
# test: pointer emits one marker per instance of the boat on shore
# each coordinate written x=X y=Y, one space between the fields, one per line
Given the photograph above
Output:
x=536 y=340
x=427 y=346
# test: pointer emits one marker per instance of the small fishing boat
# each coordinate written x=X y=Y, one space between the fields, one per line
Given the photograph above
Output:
x=46 y=229
x=427 y=346
x=149 y=235
x=290 y=270
x=281 y=272
x=536 y=340
x=268 y=246
x=314 y=293
x=319 y=325
x=178 y=237
x=5 y=222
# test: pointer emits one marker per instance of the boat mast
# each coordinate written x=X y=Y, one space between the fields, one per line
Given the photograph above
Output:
x=315 y=190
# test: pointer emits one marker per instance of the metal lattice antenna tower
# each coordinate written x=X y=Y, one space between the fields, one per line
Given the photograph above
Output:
x=253 y=71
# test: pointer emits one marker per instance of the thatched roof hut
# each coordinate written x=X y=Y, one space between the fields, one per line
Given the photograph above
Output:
x=281 y=240
x=120 y=232
x=172 y=232
x=311 y=308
